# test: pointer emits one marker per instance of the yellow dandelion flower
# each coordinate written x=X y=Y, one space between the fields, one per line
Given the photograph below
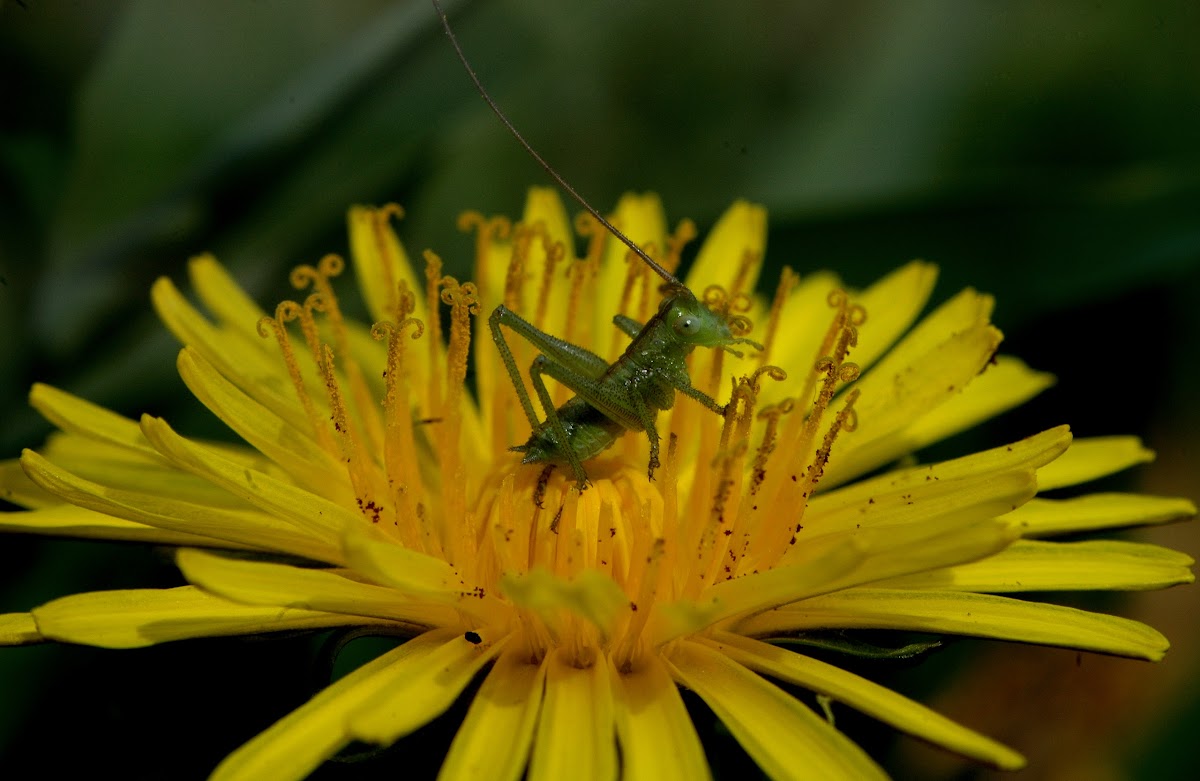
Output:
x=366 y=456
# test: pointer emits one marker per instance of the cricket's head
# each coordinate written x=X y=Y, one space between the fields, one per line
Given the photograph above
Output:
x=696 y=324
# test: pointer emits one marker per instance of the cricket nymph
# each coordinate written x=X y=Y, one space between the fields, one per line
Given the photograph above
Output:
x=628 y=395
x=624 y=396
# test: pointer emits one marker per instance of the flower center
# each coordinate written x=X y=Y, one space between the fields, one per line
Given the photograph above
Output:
x=581 y=571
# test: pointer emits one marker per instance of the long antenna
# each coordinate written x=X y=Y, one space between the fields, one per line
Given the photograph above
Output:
x=662 y=272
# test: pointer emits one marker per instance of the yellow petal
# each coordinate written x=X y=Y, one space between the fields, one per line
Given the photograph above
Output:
x=19 y=629
x=892 y=304
x=964 y=312
x=223 y=296
x=266 y=583
x=960 y=543
x=933 y=504
x=142 y=617
x=420 y=686
x=592 y=596
x=740 y=229
x=953 y=612
x=1041 y=517
x=494 y=739
x=785 y=738
x=575 y=732
x=17 y=488
x=308 y=512
x=274 y=437
x=893 y=395
x=543 y=205
x=416 y=575
x=813 y=571
x=1089 y=459
x=67 y=520
x=381 y=263
x=826 y=509
x=1061 y=566
x=641 y=218
x=866 y=696
x=658 y=741
x=1006 y=384
x=802 y=325
x=243 y=528
x=73 y=414
x=255 y=364
x=297 y=744
x=117 y=468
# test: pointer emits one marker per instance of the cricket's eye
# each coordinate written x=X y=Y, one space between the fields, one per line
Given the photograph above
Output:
x=685 y=325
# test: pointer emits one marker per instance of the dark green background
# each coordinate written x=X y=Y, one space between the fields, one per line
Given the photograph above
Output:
x=1046 y=152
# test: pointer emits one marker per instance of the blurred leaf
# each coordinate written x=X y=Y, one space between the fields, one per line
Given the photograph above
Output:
x=190 y=115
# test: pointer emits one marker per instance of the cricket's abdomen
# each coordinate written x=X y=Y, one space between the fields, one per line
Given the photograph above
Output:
x=589 y=433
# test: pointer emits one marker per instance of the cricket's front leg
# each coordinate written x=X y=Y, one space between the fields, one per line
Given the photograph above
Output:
x=646 y=416
x=688 y=389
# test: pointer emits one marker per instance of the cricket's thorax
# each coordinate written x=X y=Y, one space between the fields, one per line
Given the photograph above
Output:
x=645 y=370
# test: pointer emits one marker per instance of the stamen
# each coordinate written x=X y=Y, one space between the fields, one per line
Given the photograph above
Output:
x=585 y=272
x=787 y=281
x=331 y=266
x=578 y=326
x=846 y=420
x=635 y=271
x=742 y=528
x=741 y=281
x=740 y=325
x=380 y=227
x=590 y=228
x=672 y=531
x=400 y=456
x=351 y=443
x=286 y=311
x=555 y=252
x=785 y=484
x=685 y=231
x=630 y=646
x=487 y=232
x=504 y=526
x=514 y=278
x=463 y=302
x=775 y=541
x=711 y=540
x=308 y=324
x=771 y=415
x=646 y=305
x=433 y=276
x=565 y=534
x=606 y=533
x=716 y=299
